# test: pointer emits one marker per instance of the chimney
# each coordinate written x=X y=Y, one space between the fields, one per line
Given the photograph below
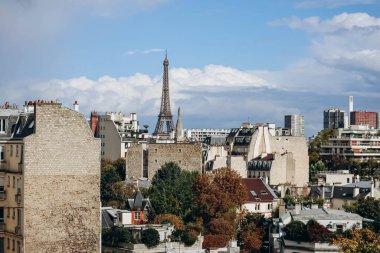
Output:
x=297 y=208
x=376 y=183
x=76 y=106
x=356 y=191
x=94 y=123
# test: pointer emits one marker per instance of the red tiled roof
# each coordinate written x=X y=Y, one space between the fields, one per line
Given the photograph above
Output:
x=256 y=186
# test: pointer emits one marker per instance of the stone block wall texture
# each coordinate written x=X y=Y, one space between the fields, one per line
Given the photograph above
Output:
x=61 y=192
x=134 y=161
x=187 y=155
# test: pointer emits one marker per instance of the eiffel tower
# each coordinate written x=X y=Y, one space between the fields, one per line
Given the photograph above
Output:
x=165 y=117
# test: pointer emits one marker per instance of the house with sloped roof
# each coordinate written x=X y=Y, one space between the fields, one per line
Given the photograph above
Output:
x=261 y=198
x=138 y=208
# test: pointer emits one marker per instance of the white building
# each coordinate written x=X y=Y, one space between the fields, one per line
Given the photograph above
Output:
x=296 y=123
x=116 y=132
x=198 y=134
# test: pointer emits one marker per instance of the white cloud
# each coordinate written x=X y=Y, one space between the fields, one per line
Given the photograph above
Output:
x=146 y=51
x=330 y=3
x=344 y=21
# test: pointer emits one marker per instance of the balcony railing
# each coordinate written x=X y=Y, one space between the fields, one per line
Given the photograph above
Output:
x=3 y=195
x=18 y=230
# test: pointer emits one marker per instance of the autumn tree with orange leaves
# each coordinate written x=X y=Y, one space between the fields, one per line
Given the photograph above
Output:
x=358 y=241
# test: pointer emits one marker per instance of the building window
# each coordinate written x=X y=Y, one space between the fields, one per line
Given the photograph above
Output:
x=348 y=180
x=269 y=206
x=13 y=213
x=137 y=215
x=9 y=181
x=9 y=212
x=1 y=152
x=2 y=182
x=16 y=150
x=9 y=243
x=2 y=125
x=11 y=150
x=180 y=150
x=1 y=214
x=14 y=182
x=13 y=245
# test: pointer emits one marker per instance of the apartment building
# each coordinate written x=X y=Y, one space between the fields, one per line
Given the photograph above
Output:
x=117 y=132
x=357 y=142
x=364 y=118
x=50 y=183
x=200 y=134
x=295 y=123
x=334 y=118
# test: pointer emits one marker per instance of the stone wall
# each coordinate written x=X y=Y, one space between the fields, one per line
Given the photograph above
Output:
x=61 y=193
x=187 y=155
x=134 y=160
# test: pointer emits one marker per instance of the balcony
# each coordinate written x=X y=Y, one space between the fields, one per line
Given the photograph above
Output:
x=3 y=195
x=18 y=230
x=2 y=226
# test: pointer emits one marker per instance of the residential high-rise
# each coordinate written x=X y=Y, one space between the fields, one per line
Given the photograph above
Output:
x=296 y=123
x=333 y=118
x=363 y=118
x=165 y=118
x=49 y=183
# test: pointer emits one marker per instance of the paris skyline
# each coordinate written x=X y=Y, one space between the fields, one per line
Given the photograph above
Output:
x=229 y=61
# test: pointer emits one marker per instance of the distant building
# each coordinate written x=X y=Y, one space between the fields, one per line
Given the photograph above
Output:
x=116 y=132
x=200 y=134
x=8 y=118
x=261 y=198
x=49 y=183
x=296 y=123
x=334 y=118
x=357 y=142
x=363 y=118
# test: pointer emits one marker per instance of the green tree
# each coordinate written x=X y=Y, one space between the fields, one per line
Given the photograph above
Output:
x=171 y=192
x=115 y=235
x=150 y=237
x=322 y=138
x=296 y=231
x=109 y=176
x=367 y=208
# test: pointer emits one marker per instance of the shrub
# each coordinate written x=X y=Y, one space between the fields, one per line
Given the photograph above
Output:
x=215 y=241
x=316 y=232
x=296 y=231
x=150 y=237
x=189 y=237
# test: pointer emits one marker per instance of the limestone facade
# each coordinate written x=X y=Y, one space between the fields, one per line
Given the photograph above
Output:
x=52 y=183
x=144 y=159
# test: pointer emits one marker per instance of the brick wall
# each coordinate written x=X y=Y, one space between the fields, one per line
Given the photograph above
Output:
x=61 y=183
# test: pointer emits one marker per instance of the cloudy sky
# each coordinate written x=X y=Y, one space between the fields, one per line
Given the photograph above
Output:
x=230 y=61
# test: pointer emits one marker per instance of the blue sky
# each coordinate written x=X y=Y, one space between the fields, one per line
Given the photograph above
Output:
x=229 y=60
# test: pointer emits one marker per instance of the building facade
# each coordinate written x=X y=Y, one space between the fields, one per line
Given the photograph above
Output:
x=334 y=118
x=116 y=132
x=364 y=118
x=296 y=123
x=200 y=134
x=357 y=142
x=50 y=181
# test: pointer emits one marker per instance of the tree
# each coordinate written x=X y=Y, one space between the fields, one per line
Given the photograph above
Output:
x=367 y=208
x=170 y=218
x=150 y=237
x=219 y=193
x=222 y=227
x=115 y=235
x=322 y=138
x=109 y=176
x=251 y=232
x=358 y=241
x=171 y=192
x=296 y=231
x=215 y=241
x=316 y=232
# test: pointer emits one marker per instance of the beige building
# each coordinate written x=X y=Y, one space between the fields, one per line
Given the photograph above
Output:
x=144 y=159
x=49 y=183
x=117 y=132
